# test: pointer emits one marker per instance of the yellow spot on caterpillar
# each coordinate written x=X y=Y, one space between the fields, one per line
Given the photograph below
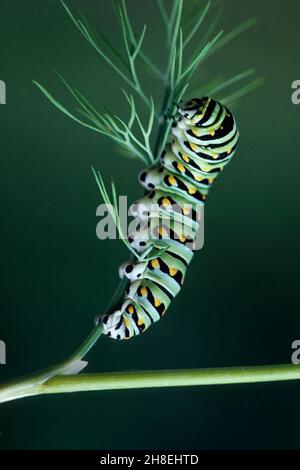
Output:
x=212 y=133
x=186 y=211
x=210 y=181
x=130 y=309
x=215 y=156
x=127 y=323
x=221 y=127
x=173 y=271
x=198 y=177
x=181 y=168
x=192 y=190
x=182 y=238
x=166 y=201
x=140 y=322
x=229 y=151
x=197 y=132
x=186 y=158
x=157 y=302
x=163 y=232
x=172 y=180
x=194 y=147
x=155 y=263
x=143 y=291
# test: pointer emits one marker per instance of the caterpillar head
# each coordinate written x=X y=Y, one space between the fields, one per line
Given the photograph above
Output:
x=193 y=110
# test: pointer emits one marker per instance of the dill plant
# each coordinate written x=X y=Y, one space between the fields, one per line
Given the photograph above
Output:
x=143 y=136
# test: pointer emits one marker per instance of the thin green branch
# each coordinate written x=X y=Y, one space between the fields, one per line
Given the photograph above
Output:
x=216 y=85
x=191 y=68
x=26 y=386
x=231 y=100
x=112 y=207
x=148 y=379
x=83 y=28
x=113 y=49
x=165 y=125
x=134 y=43
x=176 y=12
x=110 y=125
x=210 y=29
x=233 y=34
x=87 y=344
x=163 y=13
x=180 y=56
x=64 y=110
x=89 y=35
x=201 y=16
x=231 y=81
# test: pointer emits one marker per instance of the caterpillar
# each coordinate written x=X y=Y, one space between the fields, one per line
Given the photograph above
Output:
x=204 y=139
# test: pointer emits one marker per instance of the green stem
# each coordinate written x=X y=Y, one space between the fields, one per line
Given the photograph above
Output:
x=148 y=379
x=162 y=124
x=30 y=385
x=87 y=344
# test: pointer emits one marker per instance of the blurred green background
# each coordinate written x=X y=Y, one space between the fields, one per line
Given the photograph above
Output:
x=240 y=302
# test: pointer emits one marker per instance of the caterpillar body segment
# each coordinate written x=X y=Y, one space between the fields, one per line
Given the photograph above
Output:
x=157 y=269
x=204 y=139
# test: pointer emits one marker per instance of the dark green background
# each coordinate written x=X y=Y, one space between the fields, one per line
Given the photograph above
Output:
x=240 y=302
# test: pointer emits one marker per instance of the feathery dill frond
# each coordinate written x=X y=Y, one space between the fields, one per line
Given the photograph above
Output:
x=111 y=203
x=110 y=125
x=200 y=27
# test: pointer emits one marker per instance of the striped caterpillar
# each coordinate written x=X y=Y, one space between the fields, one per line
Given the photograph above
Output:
x=204 y=140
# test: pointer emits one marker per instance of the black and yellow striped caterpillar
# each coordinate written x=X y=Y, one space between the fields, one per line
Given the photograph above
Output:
x=204 y=140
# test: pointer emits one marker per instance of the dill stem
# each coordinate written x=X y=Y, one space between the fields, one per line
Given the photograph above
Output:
x=162 y=124
x=87 y=344
x=30 y=385
x=147 y=379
